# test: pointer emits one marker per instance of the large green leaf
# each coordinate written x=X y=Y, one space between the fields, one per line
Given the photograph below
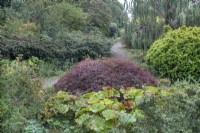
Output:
x=111 y=92
x=82 y=111
x=97 y=123
x=126 y=118
x=106 y=101
x=133 y=93
x=117 y=106
x=96 y=97
x=88 y=95
x=96 y=107
x=81 y=120
x=110 y=114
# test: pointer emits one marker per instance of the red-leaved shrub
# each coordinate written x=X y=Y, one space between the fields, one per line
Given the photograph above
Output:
x=91 y=75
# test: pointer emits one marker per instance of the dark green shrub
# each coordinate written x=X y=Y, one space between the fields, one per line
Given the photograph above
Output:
x=67 y=16
x=68 y=46
x=176 y=54
x=91 y=75
x=113 y=30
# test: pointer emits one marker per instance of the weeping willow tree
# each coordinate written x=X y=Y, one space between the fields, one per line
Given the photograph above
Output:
x=149 y=17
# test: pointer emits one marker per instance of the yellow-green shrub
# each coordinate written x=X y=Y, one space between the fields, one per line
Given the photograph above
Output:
x=176 y=54
x=19 y=28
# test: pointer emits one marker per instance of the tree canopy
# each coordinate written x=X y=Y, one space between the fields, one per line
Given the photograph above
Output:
x=149 y=16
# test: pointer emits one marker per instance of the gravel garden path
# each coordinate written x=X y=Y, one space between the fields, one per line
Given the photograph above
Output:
x=119 y=52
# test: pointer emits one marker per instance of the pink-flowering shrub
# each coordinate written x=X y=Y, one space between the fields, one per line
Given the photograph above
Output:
x=90 y=75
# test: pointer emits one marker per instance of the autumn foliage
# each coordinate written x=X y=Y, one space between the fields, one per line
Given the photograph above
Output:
x=90 y=75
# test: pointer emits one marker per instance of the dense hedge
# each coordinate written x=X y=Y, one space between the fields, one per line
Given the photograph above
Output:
x=67 y=46
x=177 y=54
x=91 y=75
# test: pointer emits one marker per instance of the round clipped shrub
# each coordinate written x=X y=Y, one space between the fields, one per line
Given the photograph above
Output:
x=91 y=75
x=176 y=54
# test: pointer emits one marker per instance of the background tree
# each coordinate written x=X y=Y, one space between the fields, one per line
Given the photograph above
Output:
x=149 y=16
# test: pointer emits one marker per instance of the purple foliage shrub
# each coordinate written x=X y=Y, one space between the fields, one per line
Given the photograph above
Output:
x=92 y=75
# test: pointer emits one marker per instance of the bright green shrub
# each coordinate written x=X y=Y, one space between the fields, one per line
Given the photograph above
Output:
x=176 y=54
x=19 y=28
x=21 y=96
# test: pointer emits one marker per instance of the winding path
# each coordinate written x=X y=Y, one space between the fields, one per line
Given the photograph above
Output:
x=117 y=51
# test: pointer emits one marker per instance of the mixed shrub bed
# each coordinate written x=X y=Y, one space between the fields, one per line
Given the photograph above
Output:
x=91 y=75
x=176 y=54
x=25 y=107
x=150 y=109
x=30 y=29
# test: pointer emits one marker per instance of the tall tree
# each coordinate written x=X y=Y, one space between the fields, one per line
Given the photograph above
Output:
x=149 y=16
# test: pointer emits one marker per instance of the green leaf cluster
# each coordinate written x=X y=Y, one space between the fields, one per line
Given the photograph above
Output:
x=101 y=111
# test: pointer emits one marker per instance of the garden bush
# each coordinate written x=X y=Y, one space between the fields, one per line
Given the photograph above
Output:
x=91 y=75
x=21 y=94
x=175 y=113
x=176 y=54
x=67 y=16
x=97 y=111
x=74 y=46
x=149 y=109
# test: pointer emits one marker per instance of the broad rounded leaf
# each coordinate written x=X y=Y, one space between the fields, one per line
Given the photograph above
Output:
x=126 y=118
x=110 y=114
x=96 y=107
x=97 y=123
x=82 y=119
x=106 y=101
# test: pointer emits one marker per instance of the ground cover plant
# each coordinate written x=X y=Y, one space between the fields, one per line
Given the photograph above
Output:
x=91 y=75
x=150 y=109
x=98 y=111
x=176 y=54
